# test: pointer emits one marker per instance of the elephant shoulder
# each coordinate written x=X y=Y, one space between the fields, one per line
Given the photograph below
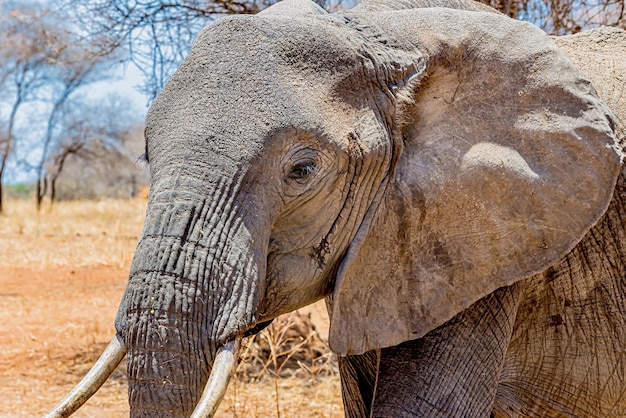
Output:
x=600 y=54
x=386 y=5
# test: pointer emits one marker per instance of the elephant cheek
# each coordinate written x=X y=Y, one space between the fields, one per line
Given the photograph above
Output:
x=295 y=280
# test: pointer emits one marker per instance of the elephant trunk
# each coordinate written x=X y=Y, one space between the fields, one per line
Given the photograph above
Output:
x=193 y=287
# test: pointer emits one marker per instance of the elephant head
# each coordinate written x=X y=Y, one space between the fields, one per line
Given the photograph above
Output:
x=402 y=163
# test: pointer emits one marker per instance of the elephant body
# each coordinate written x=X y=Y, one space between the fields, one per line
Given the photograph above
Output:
x=446 y=177
x=597 y=53
x=550 y=345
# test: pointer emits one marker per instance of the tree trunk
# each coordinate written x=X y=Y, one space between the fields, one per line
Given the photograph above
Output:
x=42 y=188
x=8 y=144
x=3 y=163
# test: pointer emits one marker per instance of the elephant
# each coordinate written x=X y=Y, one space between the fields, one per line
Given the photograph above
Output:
x=449 y=179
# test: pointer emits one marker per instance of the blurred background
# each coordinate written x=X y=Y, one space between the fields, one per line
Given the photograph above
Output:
x=77 y=76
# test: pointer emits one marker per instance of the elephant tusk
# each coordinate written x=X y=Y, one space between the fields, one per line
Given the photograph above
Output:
x=108 y=361
x=217 y=384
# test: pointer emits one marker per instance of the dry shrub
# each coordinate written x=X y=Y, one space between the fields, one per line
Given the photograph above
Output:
x=289 y=347
x=285 y=371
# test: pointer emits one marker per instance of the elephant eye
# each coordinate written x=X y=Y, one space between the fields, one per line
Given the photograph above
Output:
x=302 y=170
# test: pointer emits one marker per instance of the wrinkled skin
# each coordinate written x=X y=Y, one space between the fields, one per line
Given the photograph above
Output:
x=441 y=175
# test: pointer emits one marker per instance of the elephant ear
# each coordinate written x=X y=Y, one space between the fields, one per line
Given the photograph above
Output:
x=508 y=158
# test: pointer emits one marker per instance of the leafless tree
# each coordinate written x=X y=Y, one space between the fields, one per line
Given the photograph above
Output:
x=156 y=34
x=114 y=172
x=41 y=61
x=90 y=133
x=76 y=65
x=26 y=54
x=563 y=17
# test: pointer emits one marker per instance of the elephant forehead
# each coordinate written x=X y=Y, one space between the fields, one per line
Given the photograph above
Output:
x=255 y=56
x=245 y=77
x=308 y=44
x=222 y=95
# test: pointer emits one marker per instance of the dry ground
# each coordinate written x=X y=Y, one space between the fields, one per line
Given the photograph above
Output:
x=62 y=273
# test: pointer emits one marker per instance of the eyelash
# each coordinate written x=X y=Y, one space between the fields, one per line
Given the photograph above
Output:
x=302 y=170
x=143 y=158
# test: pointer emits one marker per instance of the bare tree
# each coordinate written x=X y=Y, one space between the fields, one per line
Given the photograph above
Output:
x=76 y=66
x=563 y=17
x=41 y=61
x=93 y=134
x=157 y=34
x=25 y=56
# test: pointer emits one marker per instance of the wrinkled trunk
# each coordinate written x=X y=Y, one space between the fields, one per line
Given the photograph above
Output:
x=193 y=286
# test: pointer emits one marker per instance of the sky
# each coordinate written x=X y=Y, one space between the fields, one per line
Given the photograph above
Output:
x=125 y=83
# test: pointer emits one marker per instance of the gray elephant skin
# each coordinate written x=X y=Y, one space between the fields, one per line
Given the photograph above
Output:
x=448 y=178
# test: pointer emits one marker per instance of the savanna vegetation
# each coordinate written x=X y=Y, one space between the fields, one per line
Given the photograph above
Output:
x=62 y=272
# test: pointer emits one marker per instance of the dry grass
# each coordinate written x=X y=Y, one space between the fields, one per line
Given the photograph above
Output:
x=285 y=371
x=62 y=273
x=289 y=397
x=70 y=233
